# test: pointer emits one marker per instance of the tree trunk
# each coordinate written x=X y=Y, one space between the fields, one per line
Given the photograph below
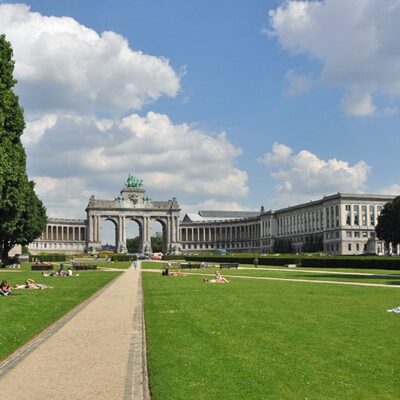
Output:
x=5 y=248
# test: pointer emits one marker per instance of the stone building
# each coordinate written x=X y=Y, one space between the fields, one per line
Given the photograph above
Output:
x=343 y=223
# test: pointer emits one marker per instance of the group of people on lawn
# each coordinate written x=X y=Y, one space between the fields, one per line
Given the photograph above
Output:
x=5 y=289
x=218 y=277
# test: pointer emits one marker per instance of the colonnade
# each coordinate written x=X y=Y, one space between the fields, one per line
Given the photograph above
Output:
x=56 y=232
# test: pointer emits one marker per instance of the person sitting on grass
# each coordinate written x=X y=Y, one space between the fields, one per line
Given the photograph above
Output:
x=5 y=288
x=218 y=279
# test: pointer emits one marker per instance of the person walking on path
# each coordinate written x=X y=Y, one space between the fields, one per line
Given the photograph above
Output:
x=256 y=262
x=135 y=264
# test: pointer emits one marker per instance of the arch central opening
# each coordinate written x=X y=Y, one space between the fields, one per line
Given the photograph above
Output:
x=134 y=236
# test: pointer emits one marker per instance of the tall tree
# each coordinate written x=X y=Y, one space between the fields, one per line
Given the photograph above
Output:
x=388 y=227
x=22 y=214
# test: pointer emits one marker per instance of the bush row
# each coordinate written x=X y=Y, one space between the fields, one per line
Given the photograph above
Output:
x=171 y=257
x=391 y=263
x=246 y=259
x=48 y=257
x=123 y=257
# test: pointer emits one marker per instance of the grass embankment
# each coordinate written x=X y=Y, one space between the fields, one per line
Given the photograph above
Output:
x=255 y=339
x=27 y=312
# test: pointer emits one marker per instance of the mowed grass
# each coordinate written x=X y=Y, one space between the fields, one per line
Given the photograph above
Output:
x=254 y=339
x=358 y=276
x=27 y=312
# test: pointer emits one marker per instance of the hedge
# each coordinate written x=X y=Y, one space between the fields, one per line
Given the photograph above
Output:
x=171 y=257
x=123 y=257
x=246 y=259
x=392 y=263
x=48 y=257
x=359 y=262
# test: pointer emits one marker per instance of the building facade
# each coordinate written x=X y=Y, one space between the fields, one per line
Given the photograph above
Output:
x=341 y=224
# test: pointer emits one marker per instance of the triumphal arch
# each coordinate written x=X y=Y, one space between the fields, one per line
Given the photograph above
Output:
x=133 y=205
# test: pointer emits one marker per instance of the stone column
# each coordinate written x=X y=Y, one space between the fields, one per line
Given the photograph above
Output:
x=98 y=226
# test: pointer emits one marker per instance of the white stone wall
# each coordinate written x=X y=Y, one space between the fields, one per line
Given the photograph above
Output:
x=327 y=217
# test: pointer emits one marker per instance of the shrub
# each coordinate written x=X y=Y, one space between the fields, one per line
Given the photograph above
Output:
x=392 y=263
x=48 y=257
x=123 y=257
x=172 y=257
x=245 y=259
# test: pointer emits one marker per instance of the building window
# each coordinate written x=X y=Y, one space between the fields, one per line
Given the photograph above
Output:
x=349 y=234
x=357 y=234
x=356 y=215
x=357 y=247
x=365 y=234
x=364 y=215
x=337 y=215
x=349 y=246
x=372 y=215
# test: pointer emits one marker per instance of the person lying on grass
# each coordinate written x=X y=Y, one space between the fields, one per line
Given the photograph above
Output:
x=31 y=284
x=5 y=288
x=218 y=279
x=68 y=272
x=166 y=272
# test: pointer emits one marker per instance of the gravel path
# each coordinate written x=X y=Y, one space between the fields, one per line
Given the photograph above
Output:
x=96 y=352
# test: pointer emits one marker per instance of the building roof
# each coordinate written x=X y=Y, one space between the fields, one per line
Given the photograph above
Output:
x=215 y=215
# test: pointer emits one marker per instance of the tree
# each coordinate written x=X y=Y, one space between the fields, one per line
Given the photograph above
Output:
x=133 y=245
x=388 y=227
x=22 y=214
x=283 y=246
x=157 y=242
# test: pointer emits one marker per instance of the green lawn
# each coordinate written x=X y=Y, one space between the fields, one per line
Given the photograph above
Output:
x=28 y=312
x=379 y=276
x=254 y=339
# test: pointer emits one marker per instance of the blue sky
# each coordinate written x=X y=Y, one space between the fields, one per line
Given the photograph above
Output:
x=306 y=97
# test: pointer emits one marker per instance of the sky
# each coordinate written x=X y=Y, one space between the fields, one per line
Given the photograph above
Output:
x=227 y=104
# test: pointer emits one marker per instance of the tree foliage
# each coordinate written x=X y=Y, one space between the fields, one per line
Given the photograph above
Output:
x=283 y=246
x=22 y=214
x=157 y=244
x=313 y=243
x=388 y=227
x=133 y=245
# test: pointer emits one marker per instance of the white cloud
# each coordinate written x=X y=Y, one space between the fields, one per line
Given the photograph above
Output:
x=90 y=153
x=297 y=83
x=64 y=65
x=393 y=189
x=280 y=154
x=355 y=41
x=304 y=175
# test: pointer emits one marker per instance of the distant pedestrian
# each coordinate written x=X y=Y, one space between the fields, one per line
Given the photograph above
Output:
x=256 y=262
x=135 y=264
